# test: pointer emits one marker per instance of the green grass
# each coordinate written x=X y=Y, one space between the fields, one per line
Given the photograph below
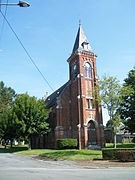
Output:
x=64 y=154
x=56 y=154
x=69 y=154
x=14 y=149
x=73 y=154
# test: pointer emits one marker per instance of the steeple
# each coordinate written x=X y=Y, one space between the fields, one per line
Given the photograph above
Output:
x=81 y=42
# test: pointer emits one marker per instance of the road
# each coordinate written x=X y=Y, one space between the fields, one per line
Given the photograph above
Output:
x=15 y=167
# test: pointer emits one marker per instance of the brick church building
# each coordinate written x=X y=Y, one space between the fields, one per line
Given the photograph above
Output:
x=73 y=111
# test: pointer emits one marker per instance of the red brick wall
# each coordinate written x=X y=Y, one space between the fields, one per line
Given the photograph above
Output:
x=71 y=109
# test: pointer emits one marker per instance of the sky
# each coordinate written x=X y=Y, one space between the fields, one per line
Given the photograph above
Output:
x=48 y=30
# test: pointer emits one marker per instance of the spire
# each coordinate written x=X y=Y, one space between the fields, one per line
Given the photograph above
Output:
x=81 y=42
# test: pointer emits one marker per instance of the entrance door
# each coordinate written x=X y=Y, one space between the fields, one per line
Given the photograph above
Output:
x=91 y=133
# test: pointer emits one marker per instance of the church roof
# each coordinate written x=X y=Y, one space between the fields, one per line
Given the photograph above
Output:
x=81 y=42
x=52 y=99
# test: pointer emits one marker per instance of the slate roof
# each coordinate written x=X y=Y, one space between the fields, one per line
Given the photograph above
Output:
x=80 y=40
x=52 y=99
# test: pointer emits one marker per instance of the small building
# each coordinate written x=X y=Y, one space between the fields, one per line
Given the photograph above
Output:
x=74 y=113
x=123 y=135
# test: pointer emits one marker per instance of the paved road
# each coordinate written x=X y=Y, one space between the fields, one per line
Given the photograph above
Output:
x=15 y=167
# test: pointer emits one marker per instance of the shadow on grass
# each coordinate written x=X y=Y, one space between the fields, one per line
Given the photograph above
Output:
x=70 y=153
x=13 y=149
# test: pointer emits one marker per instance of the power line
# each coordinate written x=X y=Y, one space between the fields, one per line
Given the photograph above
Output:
x=31 y=59
x=3 y=23
x=0 y=2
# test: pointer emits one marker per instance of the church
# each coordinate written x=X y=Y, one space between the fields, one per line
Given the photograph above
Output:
x=74 y=114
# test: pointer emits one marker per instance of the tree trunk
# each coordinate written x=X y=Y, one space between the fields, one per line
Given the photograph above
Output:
x=29 y=143
x=5 y=144
x=112 y=130
x=11 y=143
x=0 y=143
x=115 y=141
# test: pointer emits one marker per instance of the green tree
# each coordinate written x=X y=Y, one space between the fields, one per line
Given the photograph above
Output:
x=109 y=98
x=10 y=126
x=33 y=114
x=7 y=96
x=127 y=107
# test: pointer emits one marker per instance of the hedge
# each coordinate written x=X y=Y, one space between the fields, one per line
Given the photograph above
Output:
x=67 y=143
x=119 y=154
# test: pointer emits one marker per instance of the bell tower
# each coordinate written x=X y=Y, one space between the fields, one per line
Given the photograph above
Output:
x=85 y=114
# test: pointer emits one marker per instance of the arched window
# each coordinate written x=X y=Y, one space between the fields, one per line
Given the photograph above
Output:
x=74 y=71
x=88 y=70
x=92 y=133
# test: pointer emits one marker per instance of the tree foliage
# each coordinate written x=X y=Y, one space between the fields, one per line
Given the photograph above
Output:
x=110 y=94
x=10 y=126
x=127 y=107
x=7 y=96
x=21 y=116
x=33 y=115
x=109 y=98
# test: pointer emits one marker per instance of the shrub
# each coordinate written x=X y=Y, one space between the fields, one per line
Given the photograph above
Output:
x=67 y=143
x=108 y=154
x=119 y=154
x=126 y=155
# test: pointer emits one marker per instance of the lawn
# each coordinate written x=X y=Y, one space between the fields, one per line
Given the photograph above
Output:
x=73 y=154
x=64 y=154
x=69 y=154
x=14 y=149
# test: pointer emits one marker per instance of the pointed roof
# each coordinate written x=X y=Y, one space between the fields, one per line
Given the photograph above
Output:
x=81 y=42
x=52 y=99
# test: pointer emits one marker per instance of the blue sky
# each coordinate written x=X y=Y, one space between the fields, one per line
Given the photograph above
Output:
x=48 y=30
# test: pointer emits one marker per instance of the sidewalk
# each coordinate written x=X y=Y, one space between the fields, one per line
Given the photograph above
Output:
x=91 y=164
x=104 y=164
